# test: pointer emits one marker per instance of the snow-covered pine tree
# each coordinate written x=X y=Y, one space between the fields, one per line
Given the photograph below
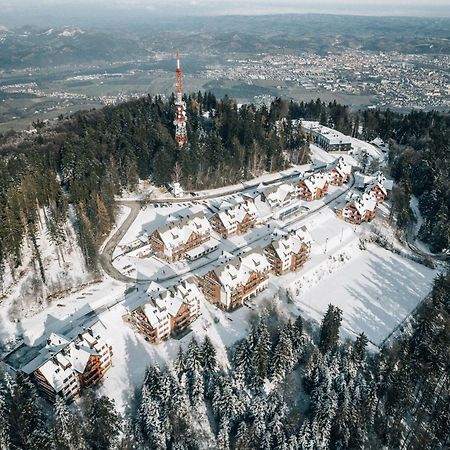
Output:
x=208 y=355
x=223 y=437
x=102 y=423
x=196 y=388
x=262 y=350
x=243 y=437
x=193 y=358
x=150 y=420
x=329 y=330
x=243 y=361
x=67 y=431
x=27 y=422
x=4 y=417
x=284 y=357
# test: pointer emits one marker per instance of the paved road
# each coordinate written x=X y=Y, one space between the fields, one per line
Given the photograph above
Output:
x=106 y=255
x=223 y=193
x=108 y=250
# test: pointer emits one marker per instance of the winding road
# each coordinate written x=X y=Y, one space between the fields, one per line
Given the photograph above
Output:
x=106 y=258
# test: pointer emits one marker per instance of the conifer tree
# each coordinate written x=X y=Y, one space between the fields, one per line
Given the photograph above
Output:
x=67 y=430
x=329 y=330
x=102 y=423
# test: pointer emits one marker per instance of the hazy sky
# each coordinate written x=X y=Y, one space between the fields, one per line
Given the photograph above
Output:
x=18 y=11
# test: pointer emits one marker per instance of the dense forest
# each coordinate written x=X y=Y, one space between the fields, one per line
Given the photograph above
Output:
x=291 y=386
x=76 y=166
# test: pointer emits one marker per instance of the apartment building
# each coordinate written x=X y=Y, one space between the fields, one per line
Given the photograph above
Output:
x=313 y=187
x=234 y=219
x=361 y=209
x=339 y=172
x=166 y=312
x=327 y=138
x=288 y=251
x=172 y=241
x=233 y=282
x=279 y=195
x=65 y=366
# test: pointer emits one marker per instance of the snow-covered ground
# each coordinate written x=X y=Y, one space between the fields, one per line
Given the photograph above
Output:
x=375 y=289
x=25 y=293
x=150 y=218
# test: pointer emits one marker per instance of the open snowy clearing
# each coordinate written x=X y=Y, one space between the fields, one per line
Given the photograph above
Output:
x=376 y=290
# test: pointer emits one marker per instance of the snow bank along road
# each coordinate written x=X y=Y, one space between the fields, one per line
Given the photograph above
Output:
x=106 y=255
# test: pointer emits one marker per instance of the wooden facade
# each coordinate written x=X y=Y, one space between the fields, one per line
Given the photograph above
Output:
x=305 y=193
x=295 y=261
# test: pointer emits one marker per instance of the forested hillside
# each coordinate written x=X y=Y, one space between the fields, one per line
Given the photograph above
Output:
x=420 y=164
x=291 y=386
x=83 y=161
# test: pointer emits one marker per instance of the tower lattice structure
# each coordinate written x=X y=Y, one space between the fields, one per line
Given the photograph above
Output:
x=180 y=109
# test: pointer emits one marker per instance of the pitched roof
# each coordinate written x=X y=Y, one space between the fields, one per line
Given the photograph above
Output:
x=341 y=166
x=289 y=243
x=177 y=233
x=237 y=271
x=365 y=202
x=277 y=193
x=62 y=357
x=235 y=214
x=316 y=181
x=164 y=303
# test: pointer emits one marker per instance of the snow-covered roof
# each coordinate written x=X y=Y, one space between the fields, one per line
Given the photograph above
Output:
x=316 y=181
x=163 y=303
x=331 y=135
x=379 y=180
x=62 y=357
x=278 y=193
x=177 y=233
x=341 y=166
x=290 y=243
x=235 y=214
x=238 y=270
x=365 y=202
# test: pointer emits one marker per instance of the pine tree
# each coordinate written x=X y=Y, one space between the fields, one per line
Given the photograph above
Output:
x=223 y=437
x=196 y=388
x=67 y=432
x=284 y=356
x=208 y=356
x=360 y=347
x=262 y=348
x=329 y=330
x=27 y=424
x=4 y=417
x=102 y=423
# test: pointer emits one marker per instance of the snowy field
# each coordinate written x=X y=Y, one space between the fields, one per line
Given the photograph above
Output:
x=376 y=289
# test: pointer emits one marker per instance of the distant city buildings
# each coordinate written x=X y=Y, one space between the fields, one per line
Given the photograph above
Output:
x=386 y=79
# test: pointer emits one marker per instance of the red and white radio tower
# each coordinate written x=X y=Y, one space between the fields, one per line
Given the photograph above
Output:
x=180 y=110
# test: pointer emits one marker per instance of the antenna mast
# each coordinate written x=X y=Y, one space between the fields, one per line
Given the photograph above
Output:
x=180 y=109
